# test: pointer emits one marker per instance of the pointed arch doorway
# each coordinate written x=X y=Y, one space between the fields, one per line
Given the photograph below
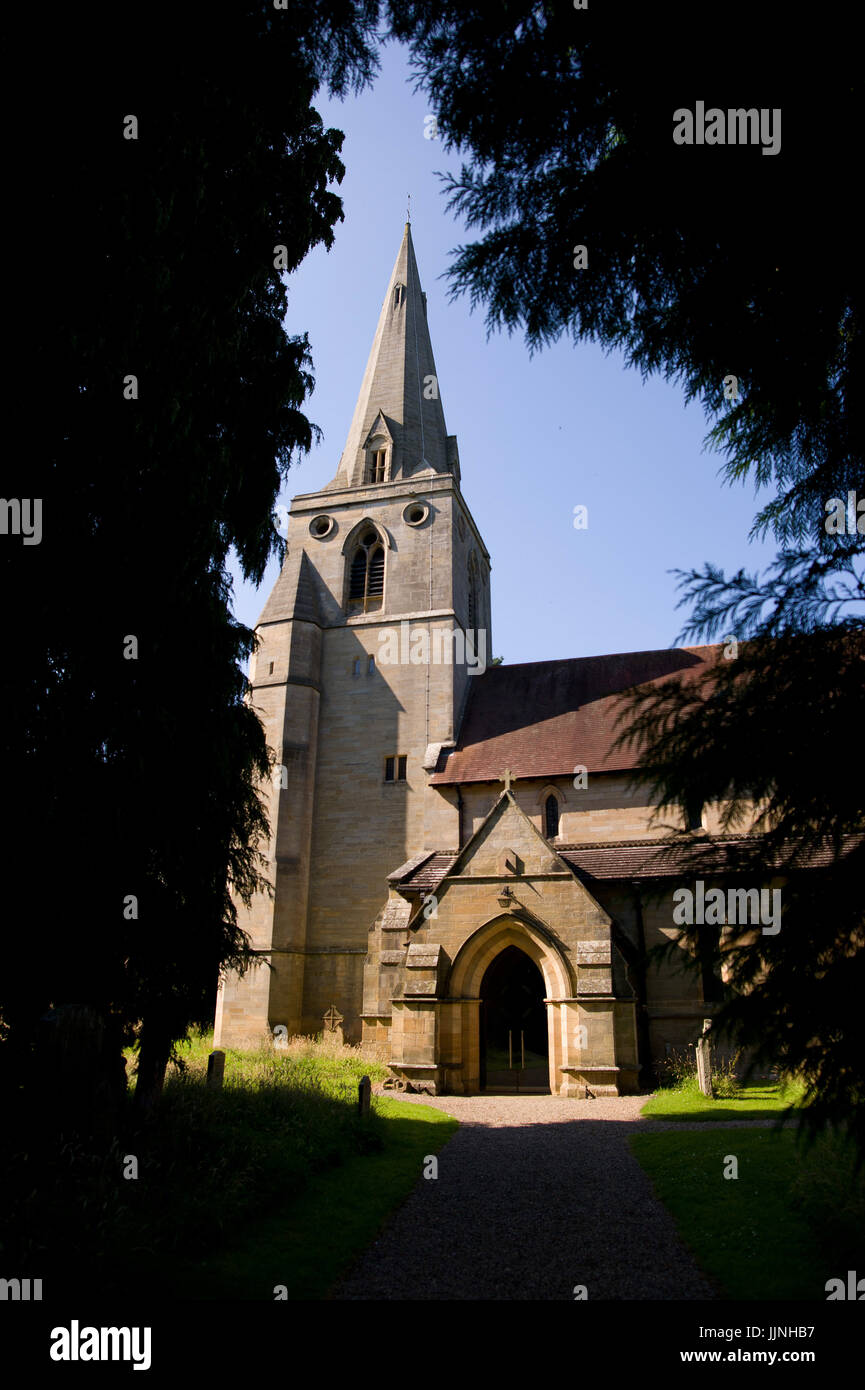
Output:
x=514 y=1043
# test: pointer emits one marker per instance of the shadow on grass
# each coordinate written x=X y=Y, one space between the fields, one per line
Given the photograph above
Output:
x=763 y=1236
x=788 y=1222
x=93 y=1216
x=300 y=1249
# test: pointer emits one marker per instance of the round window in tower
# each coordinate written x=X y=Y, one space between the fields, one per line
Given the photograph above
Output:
x=321 y=526
x=416 y=513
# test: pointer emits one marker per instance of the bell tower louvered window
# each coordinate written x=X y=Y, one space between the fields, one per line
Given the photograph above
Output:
x=366 y=575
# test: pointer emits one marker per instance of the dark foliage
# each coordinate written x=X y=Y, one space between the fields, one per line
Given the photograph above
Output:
x=702 y=261
x=706 y=262
x=771 y=728
x=137 y=777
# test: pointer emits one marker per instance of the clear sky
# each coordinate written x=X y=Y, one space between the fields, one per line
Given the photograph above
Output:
x=537 y=436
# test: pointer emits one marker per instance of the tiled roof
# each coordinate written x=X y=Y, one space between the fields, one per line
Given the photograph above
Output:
x=427 y=876
x=407 y=869
x=645 y=858
x=621 y=859
x=661 y=859
x=545 y=718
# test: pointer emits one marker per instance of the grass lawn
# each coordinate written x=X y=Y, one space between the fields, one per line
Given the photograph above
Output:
x=745 y=1232
x=273 y=1179
x=322 y=1194
x=793 y=1218
x=687 y=1102
x=301 y=1058
x=307 y=1244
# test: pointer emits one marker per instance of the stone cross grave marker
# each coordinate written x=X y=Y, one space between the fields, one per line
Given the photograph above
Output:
x=333 y=1027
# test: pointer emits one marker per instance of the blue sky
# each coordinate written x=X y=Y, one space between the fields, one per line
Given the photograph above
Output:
x=537 y=436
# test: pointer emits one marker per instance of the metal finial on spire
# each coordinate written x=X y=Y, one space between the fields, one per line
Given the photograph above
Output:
x=408 y=208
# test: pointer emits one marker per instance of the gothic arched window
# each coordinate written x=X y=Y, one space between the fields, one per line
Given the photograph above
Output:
x=551 y=817
x=366 y=574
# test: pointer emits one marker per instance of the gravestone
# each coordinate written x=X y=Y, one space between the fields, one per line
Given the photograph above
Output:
x=215 y=1070
x=364 y=1091
x=333 y=1034
x=704 y=1062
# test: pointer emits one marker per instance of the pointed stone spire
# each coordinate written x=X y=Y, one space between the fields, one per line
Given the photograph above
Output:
x=398 y=413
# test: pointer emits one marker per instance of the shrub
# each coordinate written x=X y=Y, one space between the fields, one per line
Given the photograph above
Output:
x=725 y=1077
x=676 y=1070
x=830 y=1193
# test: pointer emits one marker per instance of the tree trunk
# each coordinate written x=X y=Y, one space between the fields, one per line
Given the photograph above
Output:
x=153 y=1054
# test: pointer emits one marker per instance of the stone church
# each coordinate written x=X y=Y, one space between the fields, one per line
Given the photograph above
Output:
x=459 y=869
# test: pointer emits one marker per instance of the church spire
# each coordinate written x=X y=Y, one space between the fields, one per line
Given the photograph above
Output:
x=398 y=429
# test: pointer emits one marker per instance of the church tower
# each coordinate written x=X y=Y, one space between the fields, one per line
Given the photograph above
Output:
x=368 y=644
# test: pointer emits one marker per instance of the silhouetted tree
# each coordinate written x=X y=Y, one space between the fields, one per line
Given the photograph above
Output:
x=737 y=273
x=698 y=263
x=183 y=169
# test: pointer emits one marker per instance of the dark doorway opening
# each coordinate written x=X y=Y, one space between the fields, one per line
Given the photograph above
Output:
x=514 y=1040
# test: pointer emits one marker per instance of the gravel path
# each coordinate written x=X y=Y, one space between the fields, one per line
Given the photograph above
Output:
x=534 y=1195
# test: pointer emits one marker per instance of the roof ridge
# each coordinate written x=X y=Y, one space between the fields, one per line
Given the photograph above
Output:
x=410 y=865
x=648 y=843
x=602 y=656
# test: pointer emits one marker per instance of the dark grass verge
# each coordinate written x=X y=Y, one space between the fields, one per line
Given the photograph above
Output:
x=300 y=1250
x=89 y=1218
x=788 y=1223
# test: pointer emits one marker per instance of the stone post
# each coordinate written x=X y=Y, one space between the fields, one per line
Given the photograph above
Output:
x=364 y=1091
x=704 y=1062
x=215 y=1071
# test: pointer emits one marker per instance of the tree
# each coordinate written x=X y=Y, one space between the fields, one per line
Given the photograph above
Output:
x=772 y=729
x=700 y=261
x=697 y=263
x=184 y=172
